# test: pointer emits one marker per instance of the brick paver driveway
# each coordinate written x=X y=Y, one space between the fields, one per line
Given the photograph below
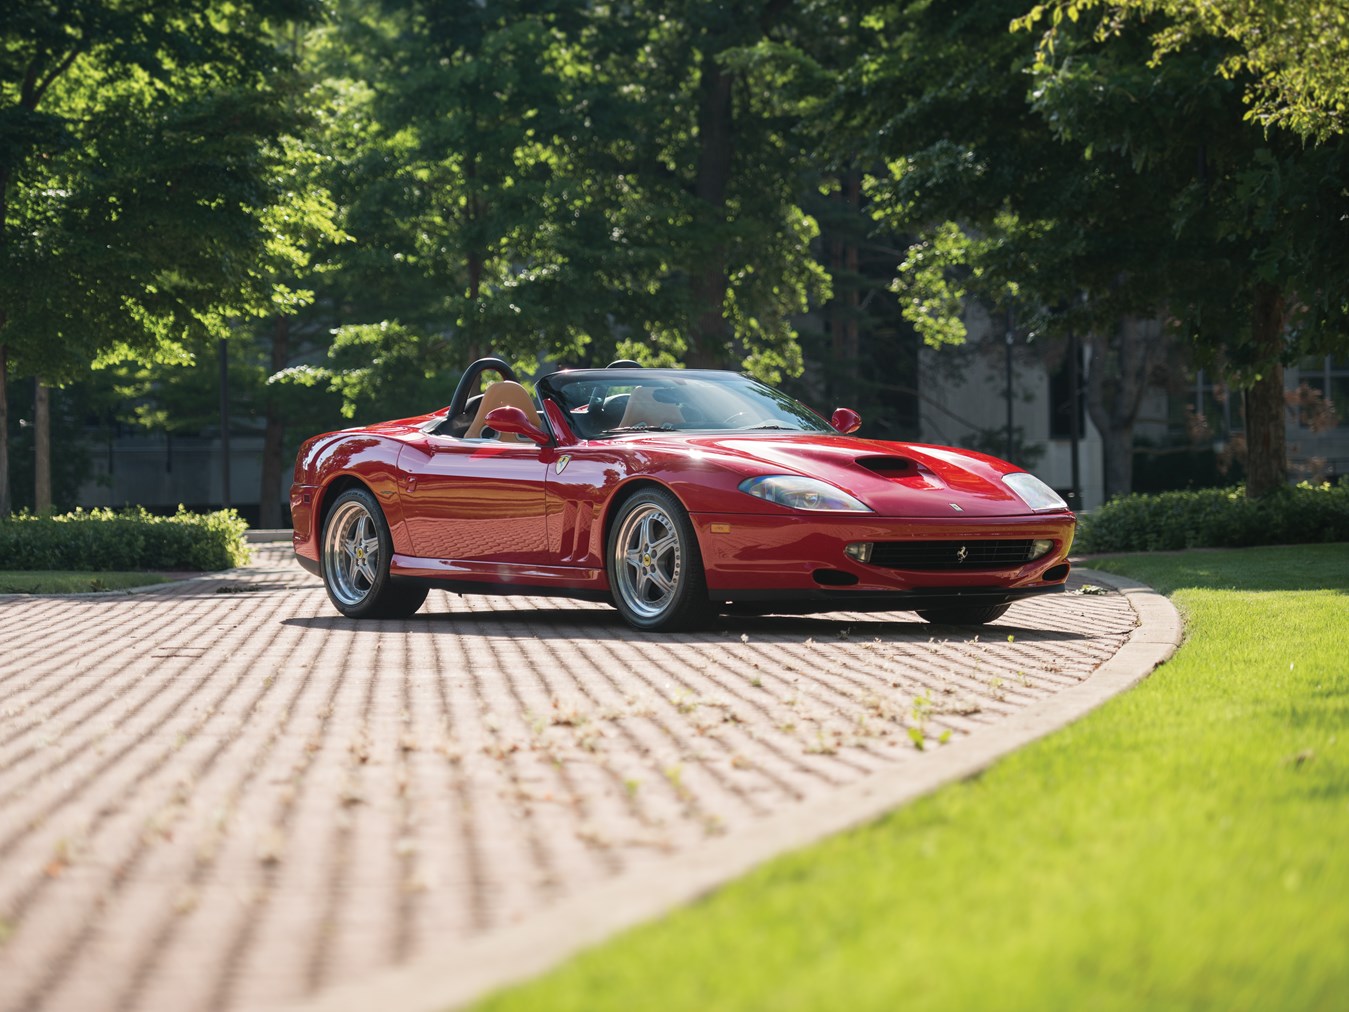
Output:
x=220 y=794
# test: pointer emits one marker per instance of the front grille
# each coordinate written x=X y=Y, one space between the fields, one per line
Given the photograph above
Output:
x=950 y=554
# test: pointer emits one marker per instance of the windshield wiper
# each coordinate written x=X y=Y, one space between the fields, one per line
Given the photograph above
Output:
x=639 y=427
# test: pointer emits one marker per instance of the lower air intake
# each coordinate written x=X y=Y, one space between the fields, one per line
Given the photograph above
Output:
x=951 y=554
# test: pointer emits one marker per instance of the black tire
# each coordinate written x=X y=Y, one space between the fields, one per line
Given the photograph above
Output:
x=354 y=558
x=655 y=569
x=967 y=615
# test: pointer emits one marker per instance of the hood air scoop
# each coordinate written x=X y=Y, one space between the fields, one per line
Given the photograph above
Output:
x=889 y=467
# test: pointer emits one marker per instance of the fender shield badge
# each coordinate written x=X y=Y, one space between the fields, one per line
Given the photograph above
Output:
x=562 y=462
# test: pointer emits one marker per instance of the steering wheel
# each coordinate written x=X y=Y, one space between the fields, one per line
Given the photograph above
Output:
x=468 y=383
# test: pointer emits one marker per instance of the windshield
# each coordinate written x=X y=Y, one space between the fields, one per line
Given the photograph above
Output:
x=604 y=403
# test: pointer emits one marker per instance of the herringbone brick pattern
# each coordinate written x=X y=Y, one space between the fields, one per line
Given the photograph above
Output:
x=221 y=794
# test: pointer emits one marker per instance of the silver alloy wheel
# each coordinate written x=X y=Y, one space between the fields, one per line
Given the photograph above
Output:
x=351 y=553
x=648 y=561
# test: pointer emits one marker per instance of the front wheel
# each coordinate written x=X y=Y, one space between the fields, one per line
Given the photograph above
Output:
x=655 y=569
x=968 y=615
x=355 y=561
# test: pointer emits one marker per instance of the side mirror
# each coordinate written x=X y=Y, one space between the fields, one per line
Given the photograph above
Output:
x=846 y=420
x=509 y=419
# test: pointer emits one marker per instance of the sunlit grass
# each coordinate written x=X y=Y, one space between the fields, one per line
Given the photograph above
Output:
x=57 y=582
x=1184 y=846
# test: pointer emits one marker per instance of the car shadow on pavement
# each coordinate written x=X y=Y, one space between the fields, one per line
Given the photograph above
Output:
x=592 y=623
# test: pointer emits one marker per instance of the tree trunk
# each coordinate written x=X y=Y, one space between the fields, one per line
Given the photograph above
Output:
x=42 y=449
x=226 y=483
x=6 y=499
x=6 y=505
x=1266 y=437
x=1122 y=363
x=477 y=263
x=845 y=306
x=710 y=338
x=1117 y=459
x=475 y=348
x=273 y=439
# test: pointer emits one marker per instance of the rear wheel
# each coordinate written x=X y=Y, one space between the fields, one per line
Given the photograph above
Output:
x=655 y=569
x=968 y=615
x=355 y=561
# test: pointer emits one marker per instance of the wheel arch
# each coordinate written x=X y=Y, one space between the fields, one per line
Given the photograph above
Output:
x=333 y=491
x=622 y=495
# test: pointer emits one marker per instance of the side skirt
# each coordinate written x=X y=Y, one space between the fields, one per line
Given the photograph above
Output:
x=503 y=577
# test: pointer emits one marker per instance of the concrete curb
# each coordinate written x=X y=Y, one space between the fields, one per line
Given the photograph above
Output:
x=148 y=588
x=517 y=953
x=264 y=536
x=251 y=537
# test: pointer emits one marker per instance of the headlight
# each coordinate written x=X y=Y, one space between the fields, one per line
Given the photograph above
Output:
x=801 y=493
x=1033 y=492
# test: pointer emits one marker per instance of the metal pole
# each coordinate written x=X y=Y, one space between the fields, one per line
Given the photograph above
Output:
x=1009 y=380
x=42 y=448
x=224 y=424
x=1075 y=409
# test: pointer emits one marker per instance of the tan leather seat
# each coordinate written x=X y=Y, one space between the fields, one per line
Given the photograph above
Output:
x=506 y=393
x=643 y=407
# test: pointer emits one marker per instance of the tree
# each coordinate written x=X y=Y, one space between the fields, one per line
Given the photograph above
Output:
x=562 y=181
x=1258 y=218
x=740 y=84
x=135 y=165
x=1102 y=193
x=1293 y=57
x=1000 y=211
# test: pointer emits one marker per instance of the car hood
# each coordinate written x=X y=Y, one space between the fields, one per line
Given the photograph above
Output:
x=893 y=478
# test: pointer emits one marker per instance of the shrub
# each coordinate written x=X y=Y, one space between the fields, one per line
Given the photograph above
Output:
x=1217 y=518
x=102 y=539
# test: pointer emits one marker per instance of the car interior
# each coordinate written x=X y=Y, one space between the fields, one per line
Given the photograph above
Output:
x=504 y=393
x=645 y=407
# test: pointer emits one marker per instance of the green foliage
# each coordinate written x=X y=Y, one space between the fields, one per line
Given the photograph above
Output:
x=525 y=179
x=1217 y=518
x=931 y=293
x=102 y=539
x=140 y=177
x=1225 y=216
x=377 y=370
x=1103 y=190
x=1294 y=57
x=152 y=192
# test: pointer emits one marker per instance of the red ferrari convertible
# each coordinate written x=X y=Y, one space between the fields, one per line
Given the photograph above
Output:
x=674 y=494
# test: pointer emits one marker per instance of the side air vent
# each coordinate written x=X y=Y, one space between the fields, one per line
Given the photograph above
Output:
x=889 y=467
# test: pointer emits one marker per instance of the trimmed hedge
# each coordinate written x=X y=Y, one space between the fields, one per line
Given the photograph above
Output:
x=104 y=540
x=1217 y=518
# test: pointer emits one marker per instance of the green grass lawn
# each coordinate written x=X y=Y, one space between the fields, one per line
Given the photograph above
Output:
x=1185 y=846
x=41 y=582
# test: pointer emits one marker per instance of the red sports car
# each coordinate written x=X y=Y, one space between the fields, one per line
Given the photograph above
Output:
x=674 y=494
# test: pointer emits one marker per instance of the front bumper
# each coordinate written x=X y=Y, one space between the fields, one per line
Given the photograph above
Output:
x=750 y=557
x=309 y=565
